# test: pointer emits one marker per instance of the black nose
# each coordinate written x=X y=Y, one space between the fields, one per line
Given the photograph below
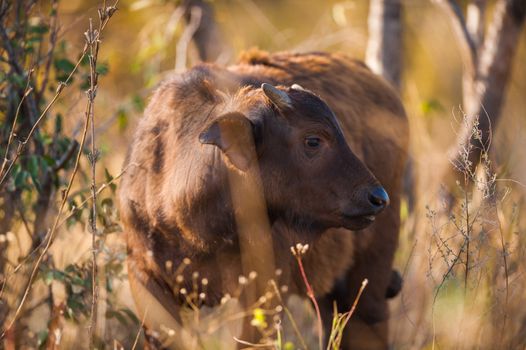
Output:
x=379 y=198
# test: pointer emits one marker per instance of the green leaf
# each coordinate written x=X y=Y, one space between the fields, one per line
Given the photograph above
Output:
x=21 y=179
x=58 y=123
x=11 y=183
x=48 y=277
x=70 y=268
x=37 y=183
x=122 y=119
x=42 y=338
x=53 y=275
x=138 y=103
x=17 y=168
x=32 y=40
x=39 y=29
x=116 y=314
x=431 y=105
x=289 y=346
x=107 y=202
x=45 y=139
x=58 y=275
x=107 y=175
x=102 y=68
x=85 y=61
x=63 y=144
x=47 y=160
x=32 y=166
x=131 y=315
x=109 y=284
x=17 y=79
x=75 y=305
x=85 y=82
x=70 y=313
x=64 y=65
x=115 y=269
x=78 y=281
x=62 y=45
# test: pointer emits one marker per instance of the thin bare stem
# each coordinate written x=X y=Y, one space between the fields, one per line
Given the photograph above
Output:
x=93 y=41
x=506 y=271
x=28 y=90
x=459 y=24
x=356 y=300
x=253 y=345
x=339 y=324
x=298 y=252
x=92 y=92
x=468 y=231
x=143 y=320
x=289 y=315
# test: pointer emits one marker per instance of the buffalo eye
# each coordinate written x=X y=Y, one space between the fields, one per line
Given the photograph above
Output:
x=312 y=142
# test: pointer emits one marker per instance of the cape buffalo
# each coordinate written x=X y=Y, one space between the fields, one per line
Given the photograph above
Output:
x=286 y=148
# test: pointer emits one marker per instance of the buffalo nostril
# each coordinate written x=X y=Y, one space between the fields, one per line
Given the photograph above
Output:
x=379 y=198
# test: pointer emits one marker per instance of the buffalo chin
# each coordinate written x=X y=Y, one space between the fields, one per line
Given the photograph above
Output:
x=355 y=223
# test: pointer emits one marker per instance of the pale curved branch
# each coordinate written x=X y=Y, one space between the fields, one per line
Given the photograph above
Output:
x=206 y=35
x=196 y=14
x=466 y=41
x=475 y=13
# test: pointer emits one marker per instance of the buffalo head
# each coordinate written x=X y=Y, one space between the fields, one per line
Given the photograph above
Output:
x=311 y=178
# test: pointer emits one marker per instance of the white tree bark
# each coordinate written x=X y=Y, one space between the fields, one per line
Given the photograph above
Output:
x=384 y=47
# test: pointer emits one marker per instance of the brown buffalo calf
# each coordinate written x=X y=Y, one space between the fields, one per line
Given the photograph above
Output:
x=230 y=167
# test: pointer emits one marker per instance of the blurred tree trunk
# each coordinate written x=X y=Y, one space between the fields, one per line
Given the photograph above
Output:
x=488 y=59
x=384 y=47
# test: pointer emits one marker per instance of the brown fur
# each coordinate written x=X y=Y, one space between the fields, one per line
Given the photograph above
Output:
x=174 y=203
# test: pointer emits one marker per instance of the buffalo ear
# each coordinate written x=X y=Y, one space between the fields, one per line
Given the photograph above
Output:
x=233 y=134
